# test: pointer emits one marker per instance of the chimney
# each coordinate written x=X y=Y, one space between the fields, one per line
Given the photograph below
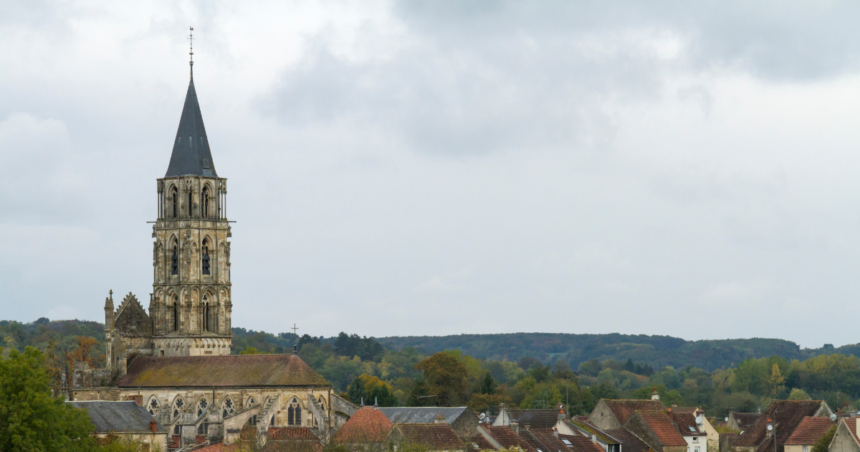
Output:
x=561 y=414
x=515 y=427
x=555 y=432
x=527 y=426
x=152 y=425
x=440 y=419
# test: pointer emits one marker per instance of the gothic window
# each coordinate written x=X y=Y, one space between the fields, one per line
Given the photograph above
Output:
x=177 y=407
x=228 y=408
x=176 y=429
x=205 y=202
x=205 y=314
x=205 y=253
x=175 y=313
x=203 y=429
x=174 y=200
x=294 y=413
x=152 y=407
x=322 y=404
x=272 y=422
x=202 y=405
x=190 y=194
x=174 y=261
x=251 y=401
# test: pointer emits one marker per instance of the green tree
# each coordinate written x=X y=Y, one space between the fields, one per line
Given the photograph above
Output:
x=798 y=394
x=419 y=394
x=488 y=384
x=446 y=377
x=31 y=420
x=356 y=390
x=823 y=443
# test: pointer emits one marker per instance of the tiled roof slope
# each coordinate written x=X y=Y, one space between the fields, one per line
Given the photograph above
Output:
x=433 y=436
x=218 y=447
x=629 y=441
x=478 y=443
x=686 y=423
x=745 y=420
x=787 y=414
x=368 y=424
x=663 y=428
x=291 y=433
x=421 y=415
x=208 y=371
x=191 y=154
x=119 y=417
x=506 y=437
x=534 y=418
x=592 y=429
x=810 y=430
x=544 y=439
x=624 y=408
x=580 y=443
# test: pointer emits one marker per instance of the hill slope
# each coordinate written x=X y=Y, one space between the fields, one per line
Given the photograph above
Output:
x=657 y=351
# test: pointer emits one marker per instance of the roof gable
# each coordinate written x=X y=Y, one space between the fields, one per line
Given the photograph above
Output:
x=219 y=371
x=534 y=418
x=662 y=427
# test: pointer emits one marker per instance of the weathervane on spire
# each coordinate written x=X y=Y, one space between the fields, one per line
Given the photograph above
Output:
x=191 y=52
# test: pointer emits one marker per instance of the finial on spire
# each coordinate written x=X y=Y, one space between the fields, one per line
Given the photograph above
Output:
x=191 y=51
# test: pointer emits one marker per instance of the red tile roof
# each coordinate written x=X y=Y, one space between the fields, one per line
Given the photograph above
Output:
x=629 y=441
x=624 y=408
x=663 y=428
x=237 y=370
x=368 y=424
x=581 y=443
x=544 y=439
x=686 y=422
x=432 y=436
x=506 y=437
x=810 y=430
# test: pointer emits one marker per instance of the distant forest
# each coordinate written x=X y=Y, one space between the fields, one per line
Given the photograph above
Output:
x=528 y=370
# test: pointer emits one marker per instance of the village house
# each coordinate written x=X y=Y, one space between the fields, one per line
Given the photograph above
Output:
x=690 y=423
x=783 y=416
x=702 y=424
x=125 y=421
x=531 y=418
x=846 y=438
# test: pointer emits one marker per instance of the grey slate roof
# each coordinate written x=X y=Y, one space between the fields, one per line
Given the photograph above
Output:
x=421 y=415
x=119 y=417
x=191 y=155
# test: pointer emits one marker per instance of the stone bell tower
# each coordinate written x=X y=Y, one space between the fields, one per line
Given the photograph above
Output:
x=190 y=305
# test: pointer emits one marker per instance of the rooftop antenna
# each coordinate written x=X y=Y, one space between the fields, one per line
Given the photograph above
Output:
x=191 y=51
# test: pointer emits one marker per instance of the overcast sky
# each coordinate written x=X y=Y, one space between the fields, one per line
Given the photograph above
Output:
x=444 y=167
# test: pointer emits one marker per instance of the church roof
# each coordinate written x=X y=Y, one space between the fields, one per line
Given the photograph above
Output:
x=191 y=155
x=118 y=417
x=209 y=371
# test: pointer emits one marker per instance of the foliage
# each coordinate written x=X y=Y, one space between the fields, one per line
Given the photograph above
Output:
x=365 y=348
x=31 y=419
x=823 y=443
x=446 y=378
x=798 y=394
x=251 y=351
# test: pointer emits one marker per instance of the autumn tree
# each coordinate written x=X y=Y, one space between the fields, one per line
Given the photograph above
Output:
x=446 y=378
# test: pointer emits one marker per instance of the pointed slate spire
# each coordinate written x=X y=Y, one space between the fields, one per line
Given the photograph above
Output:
x=191 y=155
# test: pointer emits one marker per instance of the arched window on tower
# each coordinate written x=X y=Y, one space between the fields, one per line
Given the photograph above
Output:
x=174 y=200
x=205 y=313
x=190 y=195
x=294 y=413
x=175 y=313
x=205 y=202
x=174 y=261
x=205 y=252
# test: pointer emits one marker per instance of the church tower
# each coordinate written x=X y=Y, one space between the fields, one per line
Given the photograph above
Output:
x=190 y=305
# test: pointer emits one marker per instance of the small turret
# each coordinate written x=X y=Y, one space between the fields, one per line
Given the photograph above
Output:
x=109 y=313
